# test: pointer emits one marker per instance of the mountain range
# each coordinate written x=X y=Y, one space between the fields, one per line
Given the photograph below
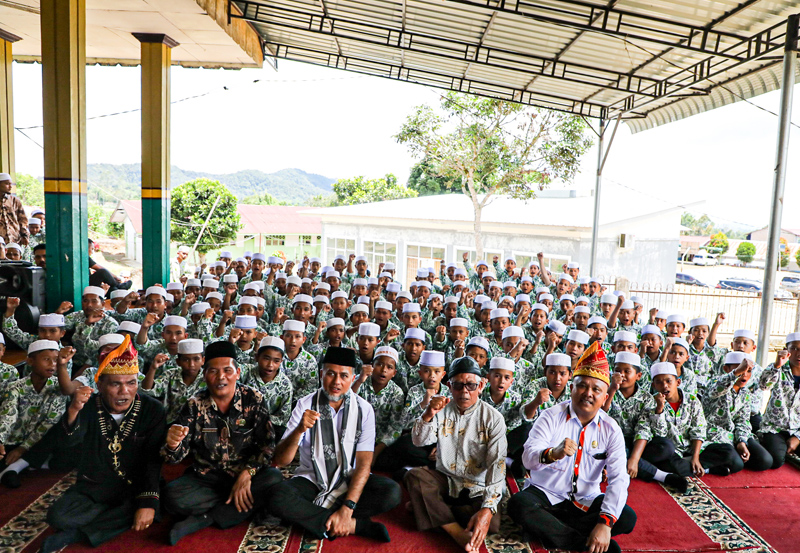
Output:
x=108 y=182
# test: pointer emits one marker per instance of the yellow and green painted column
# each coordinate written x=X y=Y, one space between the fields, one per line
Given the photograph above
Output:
x=63 y=24
x=6 y=103
x=156 y=62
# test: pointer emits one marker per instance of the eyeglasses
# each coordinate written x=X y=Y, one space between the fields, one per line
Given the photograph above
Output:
x=458 y=386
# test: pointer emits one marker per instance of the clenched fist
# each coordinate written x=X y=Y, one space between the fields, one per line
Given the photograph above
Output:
x=175 y=435
x=309 y=419
x=567 y=448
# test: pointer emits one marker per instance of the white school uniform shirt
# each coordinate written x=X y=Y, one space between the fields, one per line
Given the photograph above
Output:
x=366 y=441
x=577 y=478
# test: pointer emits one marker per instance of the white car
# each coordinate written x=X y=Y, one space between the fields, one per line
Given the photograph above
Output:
x=704 y=258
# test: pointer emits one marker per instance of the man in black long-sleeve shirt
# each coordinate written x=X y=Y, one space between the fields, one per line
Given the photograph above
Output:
x=121 y=433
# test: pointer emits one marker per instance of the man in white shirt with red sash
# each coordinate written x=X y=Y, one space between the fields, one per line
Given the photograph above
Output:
x=568 y=448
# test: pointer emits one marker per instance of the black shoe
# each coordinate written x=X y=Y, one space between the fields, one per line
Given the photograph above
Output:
x=187 y=526
x=677 y=482
x=11 y=479
x=60 y=540
x=125 y=285
x=720 y=471
x=373 y=530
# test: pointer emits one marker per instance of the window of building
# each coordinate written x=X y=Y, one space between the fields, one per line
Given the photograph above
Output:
x=306 y=240
x=275 y=240
x=339 y=246
x=418 y=257
x=554 y=262
x=379 y=252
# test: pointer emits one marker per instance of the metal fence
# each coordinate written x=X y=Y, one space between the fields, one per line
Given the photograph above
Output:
x=742 y=309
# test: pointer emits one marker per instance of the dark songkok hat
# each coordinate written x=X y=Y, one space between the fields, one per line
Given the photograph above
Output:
x=220 y=349
x=345 y=357
x=464 y=365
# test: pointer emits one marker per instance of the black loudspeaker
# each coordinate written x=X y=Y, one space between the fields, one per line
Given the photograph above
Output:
x=23 y=280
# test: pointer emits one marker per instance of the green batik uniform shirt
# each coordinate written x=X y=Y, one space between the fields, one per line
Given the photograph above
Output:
x=26 y=415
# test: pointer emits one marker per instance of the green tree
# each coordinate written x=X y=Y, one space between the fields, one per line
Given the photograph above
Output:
x=360 y=190
x=797 y=256
x=261 y=199
x=192 y=202
x=493 y=147
x=319 y=200
x=425 y=179
x=98 y=219
x=29 y=189
x=746 y=252
x=719 y=243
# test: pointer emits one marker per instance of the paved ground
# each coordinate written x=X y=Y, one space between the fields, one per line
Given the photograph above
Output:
x=712 y=275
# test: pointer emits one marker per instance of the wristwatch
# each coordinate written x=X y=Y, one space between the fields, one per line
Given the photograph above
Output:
x=349 y=504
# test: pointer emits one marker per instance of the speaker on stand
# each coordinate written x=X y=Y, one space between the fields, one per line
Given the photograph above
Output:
x=23 y=280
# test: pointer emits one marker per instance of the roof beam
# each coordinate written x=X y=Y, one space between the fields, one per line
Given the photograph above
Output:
x=381 y=68
x=444 y=48
x=623 y=24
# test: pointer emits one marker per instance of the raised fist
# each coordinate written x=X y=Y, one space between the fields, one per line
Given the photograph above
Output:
x=309 y=419
x=81 y=396
x=175 y=435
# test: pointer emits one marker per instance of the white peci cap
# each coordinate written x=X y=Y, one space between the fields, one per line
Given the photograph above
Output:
x=41 y=345
x=190 y=346
x=629 y=358
x=111 y=339
x=663 y=368
x=503 y=364
x=430 y=358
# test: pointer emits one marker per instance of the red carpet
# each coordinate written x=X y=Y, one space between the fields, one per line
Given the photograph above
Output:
x=767 y=502
x=743 y=513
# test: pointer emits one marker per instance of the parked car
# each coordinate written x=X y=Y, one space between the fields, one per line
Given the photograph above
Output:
x=704 y=258
x=683 y=278
x=740 y=284
x=744 y=285
x=791 y=284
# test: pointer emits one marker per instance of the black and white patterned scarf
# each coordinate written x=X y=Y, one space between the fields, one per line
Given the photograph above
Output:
x=332 y=464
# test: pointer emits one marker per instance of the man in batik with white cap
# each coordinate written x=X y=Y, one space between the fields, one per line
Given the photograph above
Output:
x=13 y=221
x=117 y=434
x=462 y=494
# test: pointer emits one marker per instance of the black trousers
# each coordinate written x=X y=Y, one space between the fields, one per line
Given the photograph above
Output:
x=652 y=453
x=403 y=453
x=99 y=522
x=293 y=501
x=516 y=440
x=713 y=456
x=196 y=494
x=103 y=276
x=563 y=525
x=776 y=446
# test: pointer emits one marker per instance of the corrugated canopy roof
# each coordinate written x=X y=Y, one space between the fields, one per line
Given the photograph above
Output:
x=649 y=62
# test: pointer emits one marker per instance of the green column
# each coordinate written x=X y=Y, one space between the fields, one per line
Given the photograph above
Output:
x=63 y=25
x=156 y=61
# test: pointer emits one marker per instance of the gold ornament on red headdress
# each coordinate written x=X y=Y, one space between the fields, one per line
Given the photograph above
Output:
x=123 y=360
x=593 y=363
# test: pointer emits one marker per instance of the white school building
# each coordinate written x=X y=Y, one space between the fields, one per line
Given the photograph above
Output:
x=639 y=237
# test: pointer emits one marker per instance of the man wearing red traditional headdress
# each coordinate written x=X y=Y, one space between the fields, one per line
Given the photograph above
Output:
x=568 y=448
x=121 y=433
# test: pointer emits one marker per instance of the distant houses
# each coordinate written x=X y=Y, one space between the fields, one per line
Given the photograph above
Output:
x=269 y=229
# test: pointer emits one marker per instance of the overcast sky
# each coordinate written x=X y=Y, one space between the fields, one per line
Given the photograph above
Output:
x=340 y=124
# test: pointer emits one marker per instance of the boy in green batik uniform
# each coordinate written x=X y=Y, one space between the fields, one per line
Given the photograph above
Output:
x=268 y=378
x=374 y=384
x=51 y=327
x=455 y=339
x=8 y=373
x=176 y=385
x=173 y=331
x=299 y=365
x=408 y=360
x=29 y=408
x=780 y=427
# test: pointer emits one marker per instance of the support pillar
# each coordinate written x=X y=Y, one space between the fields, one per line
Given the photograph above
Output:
x=63 y=24
x=597 y=183
x=156 y=62
x=778 y=185
x=6 y=104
